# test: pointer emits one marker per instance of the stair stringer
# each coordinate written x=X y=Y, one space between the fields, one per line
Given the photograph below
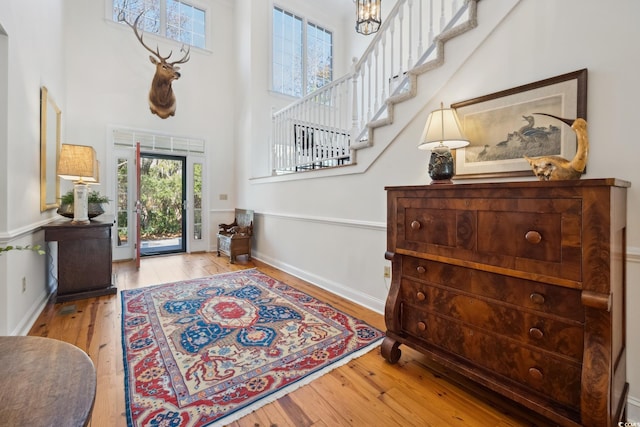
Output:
x=427 y=80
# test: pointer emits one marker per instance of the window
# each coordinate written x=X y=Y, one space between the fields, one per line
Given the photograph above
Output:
x=122 y=165
x=319 y=57
x=302 y=60
x=174 y=19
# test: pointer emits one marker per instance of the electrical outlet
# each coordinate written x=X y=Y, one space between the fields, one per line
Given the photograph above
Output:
x=223 y=197
x=24 y=284
x=387 y=271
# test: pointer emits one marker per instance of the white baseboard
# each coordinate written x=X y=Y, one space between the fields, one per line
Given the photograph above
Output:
x=633 y=410
x=359 y=298
x=29 y=320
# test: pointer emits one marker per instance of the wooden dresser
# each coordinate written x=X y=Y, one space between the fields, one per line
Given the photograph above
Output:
x=519 y=287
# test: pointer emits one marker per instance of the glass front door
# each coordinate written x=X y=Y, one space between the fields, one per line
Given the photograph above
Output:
x=162 y=204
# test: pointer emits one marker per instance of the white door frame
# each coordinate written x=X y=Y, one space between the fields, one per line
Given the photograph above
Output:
x=126 y=252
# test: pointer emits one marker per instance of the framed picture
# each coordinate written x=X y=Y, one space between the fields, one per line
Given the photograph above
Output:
x=503 y=127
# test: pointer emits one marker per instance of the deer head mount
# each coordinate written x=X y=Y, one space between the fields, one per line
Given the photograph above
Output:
x=162 y=100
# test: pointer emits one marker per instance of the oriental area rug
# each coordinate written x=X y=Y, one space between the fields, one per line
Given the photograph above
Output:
x=207 y=351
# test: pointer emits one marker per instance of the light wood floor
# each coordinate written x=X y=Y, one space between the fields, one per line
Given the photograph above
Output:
x=368 y=391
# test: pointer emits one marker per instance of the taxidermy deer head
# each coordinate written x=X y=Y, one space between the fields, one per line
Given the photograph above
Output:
x=556 y=168
x=162 y=100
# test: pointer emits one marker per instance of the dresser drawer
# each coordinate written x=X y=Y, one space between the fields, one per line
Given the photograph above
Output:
x=539 y=236
x=552 y=377
x=552 y=299
x=549 y=333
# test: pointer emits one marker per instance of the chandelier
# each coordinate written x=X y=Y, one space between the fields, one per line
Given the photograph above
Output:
x=367 y=16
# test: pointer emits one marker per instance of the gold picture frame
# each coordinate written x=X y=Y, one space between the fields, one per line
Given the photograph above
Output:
x=50 y=122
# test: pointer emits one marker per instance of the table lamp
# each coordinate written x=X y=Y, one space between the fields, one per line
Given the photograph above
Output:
x=442 y=133
x=78 y=163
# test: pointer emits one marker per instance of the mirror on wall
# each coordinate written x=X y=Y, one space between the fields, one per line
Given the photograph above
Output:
x=50 y=116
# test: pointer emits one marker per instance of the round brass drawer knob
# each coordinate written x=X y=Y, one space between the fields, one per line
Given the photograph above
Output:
x=537 y=298
x=422 y=326
x=421 y=269
x=536 y=333
x=415 y=225
x=533 y=237
x=421 y=296
x=536 y=374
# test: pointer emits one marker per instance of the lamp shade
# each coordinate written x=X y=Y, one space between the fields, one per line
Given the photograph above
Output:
x=368 y=18
x=442 y=128
x=78 y=163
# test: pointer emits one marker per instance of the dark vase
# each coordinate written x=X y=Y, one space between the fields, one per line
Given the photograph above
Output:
x=441 y=165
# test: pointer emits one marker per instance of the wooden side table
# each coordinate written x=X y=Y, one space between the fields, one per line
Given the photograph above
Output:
x=84 y=258
x=45 y=382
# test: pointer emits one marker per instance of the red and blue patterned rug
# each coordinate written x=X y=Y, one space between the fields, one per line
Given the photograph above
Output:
x=208 y=351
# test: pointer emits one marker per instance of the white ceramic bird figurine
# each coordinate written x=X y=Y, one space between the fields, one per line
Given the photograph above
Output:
x=556 y=168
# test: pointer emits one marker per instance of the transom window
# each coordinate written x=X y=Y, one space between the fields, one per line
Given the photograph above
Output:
x=174 y=19
x=302 y=60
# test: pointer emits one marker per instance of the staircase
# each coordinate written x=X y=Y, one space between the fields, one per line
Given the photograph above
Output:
x=360 y=114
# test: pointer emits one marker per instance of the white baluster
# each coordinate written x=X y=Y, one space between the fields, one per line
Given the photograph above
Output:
x=410 y=46
x=431 y=35
x=385 y=77
x=392 y=29
x=282 y=141
x=274 y=132
x=334 y=120
x=285 y=126
x=354 y=104
x=315 y=153
x=369 y=78
x=400 y=43
x=363 y=97
x=377 y=79
x=420 y=26
x=304 y=132
x=297 y=143
x=278 y=139
x=334 y=106
x=442 y=15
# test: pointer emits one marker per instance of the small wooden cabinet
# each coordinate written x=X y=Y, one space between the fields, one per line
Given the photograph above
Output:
x=519 y=287
x=84 y=258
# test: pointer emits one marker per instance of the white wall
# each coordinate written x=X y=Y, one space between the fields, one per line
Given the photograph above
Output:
x=331 y=231
x=32 y=57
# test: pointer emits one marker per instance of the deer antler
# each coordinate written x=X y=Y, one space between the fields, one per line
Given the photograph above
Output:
x=134 y=26
x=184 y=59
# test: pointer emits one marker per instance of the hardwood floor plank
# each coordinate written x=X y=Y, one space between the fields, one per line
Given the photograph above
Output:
x=356 y=408
x=368 y=391
x=317 y=407
x=275 y=415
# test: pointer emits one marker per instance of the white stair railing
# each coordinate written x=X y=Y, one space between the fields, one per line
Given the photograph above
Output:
x=325 y=127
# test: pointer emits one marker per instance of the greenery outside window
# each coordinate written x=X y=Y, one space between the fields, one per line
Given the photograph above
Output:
x=302 y=61
x=173 y=19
